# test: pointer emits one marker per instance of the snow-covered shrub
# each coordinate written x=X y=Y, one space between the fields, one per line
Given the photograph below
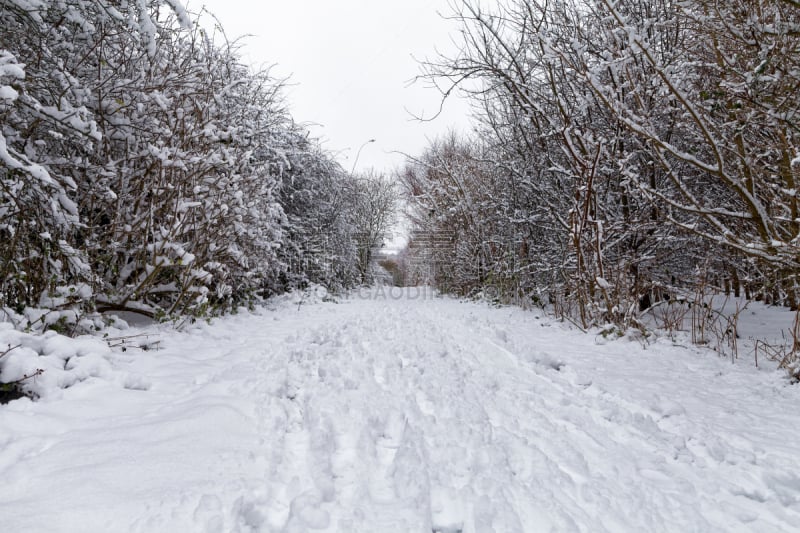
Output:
x=43 y=117
x=320 y=245
x=192 y=221
x=42 y=365
x=141 y=159
x=619 y=144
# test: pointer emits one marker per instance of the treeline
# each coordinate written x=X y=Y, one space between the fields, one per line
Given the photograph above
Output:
x=144 y=167
x=624 y=149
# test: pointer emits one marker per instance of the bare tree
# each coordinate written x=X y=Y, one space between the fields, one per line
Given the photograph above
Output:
x=372 y=200
x=626 y=131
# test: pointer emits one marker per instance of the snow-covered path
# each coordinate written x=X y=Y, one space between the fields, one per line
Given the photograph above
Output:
x=414 y=414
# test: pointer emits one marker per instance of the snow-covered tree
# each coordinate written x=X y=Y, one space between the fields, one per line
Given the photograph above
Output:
x=372 y=204
x=145 y=167
x=626 y=141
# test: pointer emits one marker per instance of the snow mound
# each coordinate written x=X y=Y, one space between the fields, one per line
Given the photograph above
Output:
x=44 y=364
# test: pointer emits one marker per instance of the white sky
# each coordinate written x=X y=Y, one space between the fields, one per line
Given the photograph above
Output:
x=350 y=63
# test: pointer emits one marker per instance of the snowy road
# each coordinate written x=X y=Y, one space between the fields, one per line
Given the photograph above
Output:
x=410 y=414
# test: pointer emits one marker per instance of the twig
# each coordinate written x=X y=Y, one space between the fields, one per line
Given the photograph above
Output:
x=39 y=372
x=123 y=338
x=10 y=348
x=10 y=317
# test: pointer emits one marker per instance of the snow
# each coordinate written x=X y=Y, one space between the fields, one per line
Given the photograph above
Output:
x=400 y=411
x=37 y=171
x=602 y=283
x=10 y=69
x=64 y=361
x=8 y=93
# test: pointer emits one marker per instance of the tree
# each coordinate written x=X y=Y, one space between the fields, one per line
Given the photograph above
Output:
x=625 y=131
x=372 y=200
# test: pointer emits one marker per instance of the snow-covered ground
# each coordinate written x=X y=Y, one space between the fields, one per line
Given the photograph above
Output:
x=384 y=413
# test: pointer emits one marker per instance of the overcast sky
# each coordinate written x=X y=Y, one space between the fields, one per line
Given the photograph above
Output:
x=350 y=63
